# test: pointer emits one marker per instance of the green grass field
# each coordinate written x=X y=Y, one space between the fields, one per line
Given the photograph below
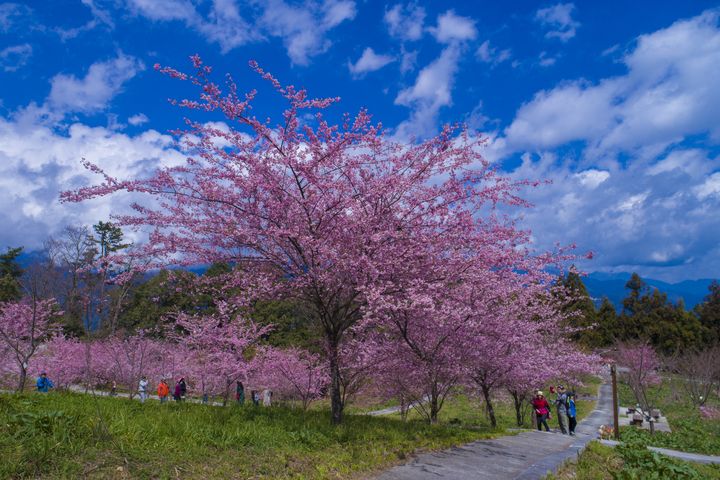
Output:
x=64 y=435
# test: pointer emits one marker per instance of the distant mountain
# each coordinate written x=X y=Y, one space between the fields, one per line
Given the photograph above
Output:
x=612 y=285
x=599 y=284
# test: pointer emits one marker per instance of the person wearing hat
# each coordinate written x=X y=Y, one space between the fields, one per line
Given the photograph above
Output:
x=542 y=410
x=561 y=403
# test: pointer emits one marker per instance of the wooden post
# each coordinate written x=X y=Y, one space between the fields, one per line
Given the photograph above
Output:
x=616 y=420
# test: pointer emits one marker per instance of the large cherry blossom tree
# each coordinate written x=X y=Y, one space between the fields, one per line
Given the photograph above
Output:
x=324 y=213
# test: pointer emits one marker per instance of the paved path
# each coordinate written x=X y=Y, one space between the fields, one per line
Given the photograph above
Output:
x=395 y=409
x=527 y=455
x=687 y=456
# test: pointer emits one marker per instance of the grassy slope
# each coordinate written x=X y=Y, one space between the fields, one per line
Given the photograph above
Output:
x=690 y=431
x=61 y=436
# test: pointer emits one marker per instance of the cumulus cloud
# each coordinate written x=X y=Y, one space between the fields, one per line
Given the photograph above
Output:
x=91 y=93
x=369 y=61
x=665 y=96
x=451 y=28
x=15 y=57
x=558 y=20
x=405 y=21
x=37 y=163
x=647 y=141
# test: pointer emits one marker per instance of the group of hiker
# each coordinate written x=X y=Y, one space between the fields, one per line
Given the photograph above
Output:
x=564 y=405
x=163 y=390
x=44 y=384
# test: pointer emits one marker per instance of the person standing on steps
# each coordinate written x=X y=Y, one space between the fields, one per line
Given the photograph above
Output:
x=44 y=384
x=240 y=393
x=561 y=403
x=572 y=412
x=163 y=391
x=542 y=410
x=142 y=389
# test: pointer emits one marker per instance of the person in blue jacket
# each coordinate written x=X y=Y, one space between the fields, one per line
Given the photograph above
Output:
x=44 y=384
x=571 y=412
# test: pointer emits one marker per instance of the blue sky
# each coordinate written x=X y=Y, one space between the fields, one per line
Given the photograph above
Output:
x=618 y=103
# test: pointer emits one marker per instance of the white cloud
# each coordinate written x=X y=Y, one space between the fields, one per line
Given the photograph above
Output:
x=546 y=60
x=405 y=21
x=15 y=57
x=431 y=91
x=591 y=178
x=304 y=29
x=636 y=177
x=92 y=93
x=665 y=96
x=37 y=163
x=710 y=187
x=451 y=28
x=408 y=59
x=369 y=61
x=10 y=13
x=489 y=54
x=558 y=19
x=138 y=119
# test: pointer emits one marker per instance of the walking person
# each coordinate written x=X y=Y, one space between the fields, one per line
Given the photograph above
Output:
x=255 y=396
x=163 y=391
x=142 y=388
x=113 y=389
x=572 y=412
x=561 y=403
x=267 y=397
x=177 y=393
x=240 y=393
x=44 y=384
x=542 y=410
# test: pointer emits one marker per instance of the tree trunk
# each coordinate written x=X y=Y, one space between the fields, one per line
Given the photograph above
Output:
x=489 y=406
x=336 y=403
x=517 y=401
x=434 y=405
x=23 y=379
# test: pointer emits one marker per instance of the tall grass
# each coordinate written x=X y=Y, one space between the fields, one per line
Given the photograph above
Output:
x=65 y=435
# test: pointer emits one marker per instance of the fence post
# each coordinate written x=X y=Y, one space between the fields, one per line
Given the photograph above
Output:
x=616 y=420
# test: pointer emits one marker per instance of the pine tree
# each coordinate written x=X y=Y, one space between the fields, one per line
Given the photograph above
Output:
x=708 y=312
x=10 y=273
x=581 y=309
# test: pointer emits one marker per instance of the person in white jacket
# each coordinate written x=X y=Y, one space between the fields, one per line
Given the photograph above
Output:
x=142 y=388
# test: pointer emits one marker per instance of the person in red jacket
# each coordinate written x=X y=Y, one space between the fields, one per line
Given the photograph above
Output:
x=542 y=410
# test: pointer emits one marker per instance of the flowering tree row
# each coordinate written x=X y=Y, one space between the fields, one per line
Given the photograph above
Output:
x=402 y=239
x=211 y=352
